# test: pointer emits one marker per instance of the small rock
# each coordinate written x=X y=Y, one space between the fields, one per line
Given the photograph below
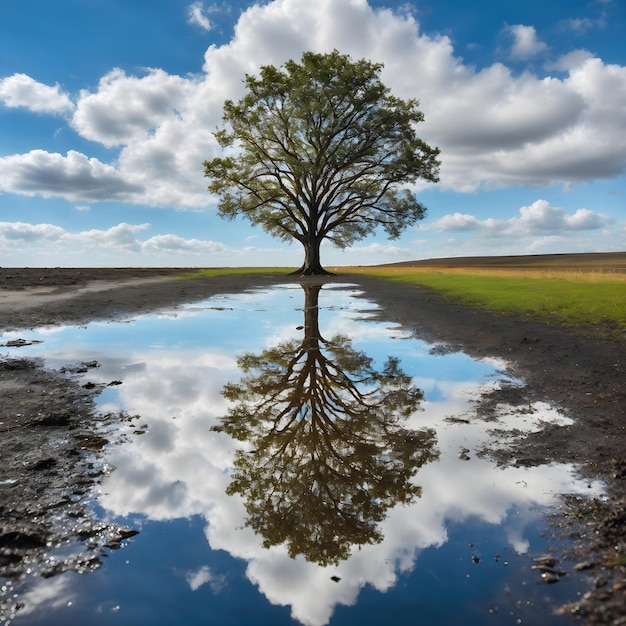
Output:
x=550 y=577
x=125 y=532
x=600 y=581
x=546 y=561
x=583 y=565
x=19 y=343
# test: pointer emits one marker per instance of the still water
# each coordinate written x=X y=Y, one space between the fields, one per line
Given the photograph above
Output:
x=292 y=459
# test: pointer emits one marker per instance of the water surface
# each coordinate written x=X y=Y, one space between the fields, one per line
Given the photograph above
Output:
x=291 y=458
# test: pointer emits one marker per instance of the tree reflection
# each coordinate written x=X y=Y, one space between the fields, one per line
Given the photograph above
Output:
x=327 y=454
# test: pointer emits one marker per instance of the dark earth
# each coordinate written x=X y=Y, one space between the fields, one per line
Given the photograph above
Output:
x=52 y=434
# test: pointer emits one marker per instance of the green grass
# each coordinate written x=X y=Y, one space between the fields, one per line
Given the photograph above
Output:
x=589 y=300
x=577 y=300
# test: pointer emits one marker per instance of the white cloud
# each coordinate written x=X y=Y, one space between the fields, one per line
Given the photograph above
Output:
x=173 y=243
x=495 y=128
x=570 y=61
x=20 y=232
x=21 y=90
x=554 y=131
x=125 y=243
x=525 y=45
x=456 y=222
x=128 y=108
x=122 y=236
x=197 y=15
x=539 y=218
x=74 y=177
x=120 y=239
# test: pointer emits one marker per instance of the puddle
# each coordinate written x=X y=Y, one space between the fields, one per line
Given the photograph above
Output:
x=292 y=458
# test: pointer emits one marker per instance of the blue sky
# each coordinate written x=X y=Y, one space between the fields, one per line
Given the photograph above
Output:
x=107 y=109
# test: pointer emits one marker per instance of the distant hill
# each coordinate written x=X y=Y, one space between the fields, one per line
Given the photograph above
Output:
x=592 y=261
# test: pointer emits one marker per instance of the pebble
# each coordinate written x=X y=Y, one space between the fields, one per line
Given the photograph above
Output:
x=550 y=577
x=583 y=565
x=546 y=561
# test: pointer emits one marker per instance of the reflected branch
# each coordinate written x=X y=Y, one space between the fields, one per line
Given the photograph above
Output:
x=327 y=454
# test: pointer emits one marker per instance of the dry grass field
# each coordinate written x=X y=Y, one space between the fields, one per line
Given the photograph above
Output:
x=611 y=263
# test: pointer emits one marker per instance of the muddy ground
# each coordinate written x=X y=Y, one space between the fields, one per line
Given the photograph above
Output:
x=51 y=434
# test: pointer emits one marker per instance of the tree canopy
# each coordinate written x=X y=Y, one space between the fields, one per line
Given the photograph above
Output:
x=321 y=150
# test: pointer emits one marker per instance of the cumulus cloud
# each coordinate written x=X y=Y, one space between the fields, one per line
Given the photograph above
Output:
x=495 y=128
x=21 y=90
x=127 y=108
x=121 y=237
x=457 y=222
x=74 y=177
x=29 y=233
x=570 y=61
x=539 y=218
x=526 y=44
x=173 y=243
x=197 y=15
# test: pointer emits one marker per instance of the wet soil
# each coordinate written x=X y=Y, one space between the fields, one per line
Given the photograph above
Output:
x=51 y=433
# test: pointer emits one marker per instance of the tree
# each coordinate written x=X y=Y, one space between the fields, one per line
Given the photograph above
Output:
x=321 y=150
x=326 y=452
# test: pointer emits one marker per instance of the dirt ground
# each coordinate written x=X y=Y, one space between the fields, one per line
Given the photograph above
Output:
x=51 y=434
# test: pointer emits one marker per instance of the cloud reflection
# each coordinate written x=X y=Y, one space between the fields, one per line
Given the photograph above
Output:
x=203 y=576
x=181 y=467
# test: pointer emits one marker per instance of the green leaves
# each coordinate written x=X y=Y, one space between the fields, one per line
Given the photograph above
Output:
x=324 y=151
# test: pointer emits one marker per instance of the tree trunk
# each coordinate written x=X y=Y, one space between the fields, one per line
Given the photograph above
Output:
x=312 y=265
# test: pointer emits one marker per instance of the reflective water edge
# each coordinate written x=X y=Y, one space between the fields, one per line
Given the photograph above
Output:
x=294 y=459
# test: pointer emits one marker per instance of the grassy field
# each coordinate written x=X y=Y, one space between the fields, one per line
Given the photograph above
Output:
x=582 y=290
x=574 y=290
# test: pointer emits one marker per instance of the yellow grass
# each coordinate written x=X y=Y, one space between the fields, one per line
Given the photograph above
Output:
x=578 y=275
x=588 y=299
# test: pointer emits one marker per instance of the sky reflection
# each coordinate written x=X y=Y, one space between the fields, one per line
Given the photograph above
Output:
x=173 y=367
